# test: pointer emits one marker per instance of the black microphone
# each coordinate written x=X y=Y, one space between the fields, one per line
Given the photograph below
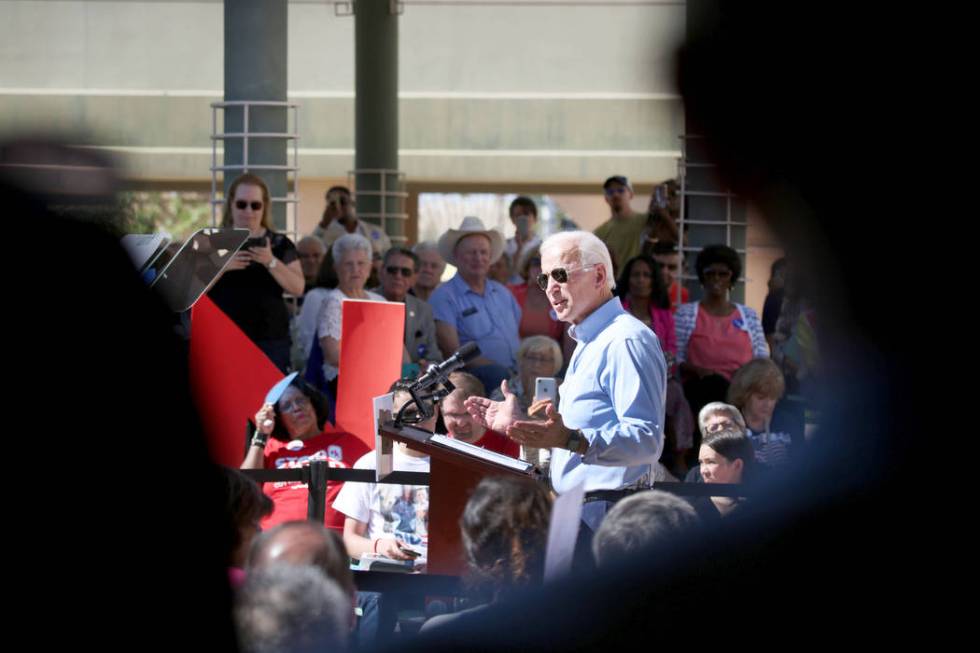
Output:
x=438 y=373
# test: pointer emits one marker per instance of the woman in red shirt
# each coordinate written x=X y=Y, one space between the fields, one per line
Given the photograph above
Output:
x=294 y=415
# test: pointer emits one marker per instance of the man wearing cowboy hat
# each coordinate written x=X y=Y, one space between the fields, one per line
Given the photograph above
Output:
x=471 y=307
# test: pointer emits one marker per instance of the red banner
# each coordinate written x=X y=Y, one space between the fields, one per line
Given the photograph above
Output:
x=371 y=346
x=229 y=379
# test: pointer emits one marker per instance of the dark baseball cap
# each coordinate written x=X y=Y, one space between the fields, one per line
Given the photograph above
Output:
x=617 y=179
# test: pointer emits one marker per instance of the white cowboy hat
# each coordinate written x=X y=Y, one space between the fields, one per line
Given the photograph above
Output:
x=471 y=225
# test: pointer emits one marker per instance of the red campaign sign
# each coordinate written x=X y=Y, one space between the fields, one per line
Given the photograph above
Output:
x=230 y=377
x=371 y=345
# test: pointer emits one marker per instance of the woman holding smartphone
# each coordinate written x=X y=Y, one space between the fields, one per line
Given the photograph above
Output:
x=251 y=287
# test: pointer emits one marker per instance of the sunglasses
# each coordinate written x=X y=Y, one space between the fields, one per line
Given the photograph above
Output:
x=560 y=275
x=241 y=205
x=394 y=270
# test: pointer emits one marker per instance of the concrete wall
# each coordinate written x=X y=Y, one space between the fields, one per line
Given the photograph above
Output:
x=504 y=97
x=489 y=93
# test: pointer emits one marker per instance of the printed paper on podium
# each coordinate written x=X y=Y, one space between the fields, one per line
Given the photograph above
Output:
x=566 y=517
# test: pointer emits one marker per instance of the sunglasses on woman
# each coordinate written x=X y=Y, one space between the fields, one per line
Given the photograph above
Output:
x=560 y=275
x=241 y=205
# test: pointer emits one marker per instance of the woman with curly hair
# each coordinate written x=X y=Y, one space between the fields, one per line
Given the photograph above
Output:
x=292 y=432
x=505 y=532
x=715 y=336
x=245 y=508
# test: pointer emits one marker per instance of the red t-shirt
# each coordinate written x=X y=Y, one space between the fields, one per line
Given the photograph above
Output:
x=493 y=441
x=535 y=323
x=685 y=297
x=290 y=498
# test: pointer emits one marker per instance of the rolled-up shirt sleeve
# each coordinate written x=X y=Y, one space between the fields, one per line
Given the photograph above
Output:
x=634 y=379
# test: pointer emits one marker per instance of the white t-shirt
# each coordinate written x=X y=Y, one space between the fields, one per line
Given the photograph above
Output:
x=399 y=512
x=308 y=316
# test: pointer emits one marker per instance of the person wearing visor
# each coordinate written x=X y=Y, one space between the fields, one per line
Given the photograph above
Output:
x=290 y=433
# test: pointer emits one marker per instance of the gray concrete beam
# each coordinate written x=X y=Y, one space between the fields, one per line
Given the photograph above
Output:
x=255 y=70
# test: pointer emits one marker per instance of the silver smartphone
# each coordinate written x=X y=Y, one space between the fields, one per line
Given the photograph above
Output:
x=545 y=387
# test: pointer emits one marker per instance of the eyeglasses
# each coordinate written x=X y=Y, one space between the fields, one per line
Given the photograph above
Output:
x=720 y=426
x=394 y=270
x=241 y=205
x=558 y=274
x=301 y=401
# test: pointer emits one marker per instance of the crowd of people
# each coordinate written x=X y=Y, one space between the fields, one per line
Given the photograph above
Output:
x=604 y=314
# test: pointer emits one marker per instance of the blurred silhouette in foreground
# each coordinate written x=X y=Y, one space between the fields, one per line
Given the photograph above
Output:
x=128 y=533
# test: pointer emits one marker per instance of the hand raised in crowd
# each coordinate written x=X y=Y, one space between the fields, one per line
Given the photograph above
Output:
x=550 y=432
x=495 y=415
x=265 y=419
x=240 y=261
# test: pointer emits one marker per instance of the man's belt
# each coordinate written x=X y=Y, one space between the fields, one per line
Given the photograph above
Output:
x=611 y=496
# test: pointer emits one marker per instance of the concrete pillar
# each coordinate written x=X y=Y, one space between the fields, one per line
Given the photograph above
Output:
x=255 y=69
x=376 y=109
x=714 y=217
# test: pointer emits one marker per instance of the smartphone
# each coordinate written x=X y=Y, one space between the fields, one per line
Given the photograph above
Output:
x=545 y=387
x=255 y=242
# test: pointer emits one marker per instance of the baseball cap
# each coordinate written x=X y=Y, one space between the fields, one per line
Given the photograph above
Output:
x=618 y=179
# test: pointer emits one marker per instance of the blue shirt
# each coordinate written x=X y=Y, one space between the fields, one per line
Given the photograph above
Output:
x=490 y=319
x=614 y=392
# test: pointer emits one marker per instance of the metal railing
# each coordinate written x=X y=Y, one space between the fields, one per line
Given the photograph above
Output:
x=319 y=473
x=682 y=166
x=246 y=136
x=396 y=195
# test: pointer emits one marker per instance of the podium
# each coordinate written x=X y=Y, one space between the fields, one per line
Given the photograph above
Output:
x=455 y=469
